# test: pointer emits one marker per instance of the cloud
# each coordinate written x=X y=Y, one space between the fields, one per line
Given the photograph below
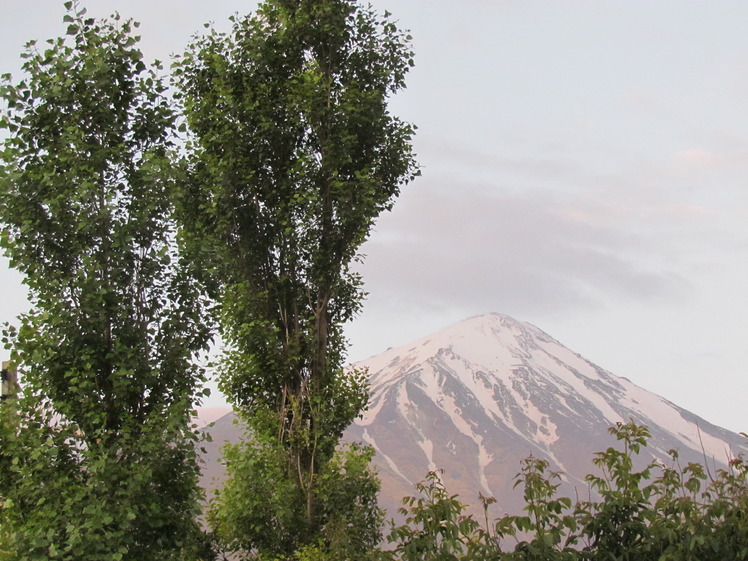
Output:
x=698 y=157
x=517 y=253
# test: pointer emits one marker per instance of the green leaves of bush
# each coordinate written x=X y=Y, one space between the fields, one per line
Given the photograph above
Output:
x=660 y=512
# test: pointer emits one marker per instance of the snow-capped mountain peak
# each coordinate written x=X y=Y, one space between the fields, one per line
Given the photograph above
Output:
x=477 y=397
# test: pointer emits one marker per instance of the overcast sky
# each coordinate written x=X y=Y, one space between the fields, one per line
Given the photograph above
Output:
x=584 y=169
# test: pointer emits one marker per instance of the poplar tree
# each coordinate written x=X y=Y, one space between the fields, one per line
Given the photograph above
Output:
x=295 y=154
x=97 y=453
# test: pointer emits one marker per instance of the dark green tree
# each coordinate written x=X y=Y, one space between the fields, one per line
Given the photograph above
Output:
x=295 y=154
x=98 y=452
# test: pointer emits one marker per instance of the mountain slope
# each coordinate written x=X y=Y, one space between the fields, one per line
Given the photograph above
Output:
x=478 y=397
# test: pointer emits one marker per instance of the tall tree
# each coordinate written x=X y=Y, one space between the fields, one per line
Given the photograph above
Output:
x=295 y=156
x=98 y=452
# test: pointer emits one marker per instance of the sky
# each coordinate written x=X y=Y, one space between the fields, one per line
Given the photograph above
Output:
x=584 y=168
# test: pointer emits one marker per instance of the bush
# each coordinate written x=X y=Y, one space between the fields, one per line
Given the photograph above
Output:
x=661 y=512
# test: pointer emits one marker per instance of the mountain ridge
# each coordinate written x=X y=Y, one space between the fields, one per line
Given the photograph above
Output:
x=476 y=398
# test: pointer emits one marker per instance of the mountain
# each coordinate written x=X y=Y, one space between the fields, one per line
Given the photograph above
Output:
x=478 y=397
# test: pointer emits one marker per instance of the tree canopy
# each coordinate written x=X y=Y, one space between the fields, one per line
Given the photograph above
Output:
x=98 y=450
x=294 y=156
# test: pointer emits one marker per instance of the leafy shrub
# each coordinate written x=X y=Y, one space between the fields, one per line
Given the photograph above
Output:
x=660 y=512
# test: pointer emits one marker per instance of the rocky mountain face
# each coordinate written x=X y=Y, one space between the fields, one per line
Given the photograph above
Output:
x=477 y=398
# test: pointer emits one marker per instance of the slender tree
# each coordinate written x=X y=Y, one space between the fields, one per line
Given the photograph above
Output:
x=295 y=155
x=98 y=451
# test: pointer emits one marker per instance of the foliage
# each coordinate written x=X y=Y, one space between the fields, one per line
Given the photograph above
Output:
x=260 y=511
x=294 y=155
x=435 y=528
x=97 y=453
x=551 y=531
x=680 y=514
x=260 y=507
x=347 y=490
x=618 y=523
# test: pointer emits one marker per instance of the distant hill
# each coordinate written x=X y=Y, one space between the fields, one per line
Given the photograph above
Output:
x=478 y=397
